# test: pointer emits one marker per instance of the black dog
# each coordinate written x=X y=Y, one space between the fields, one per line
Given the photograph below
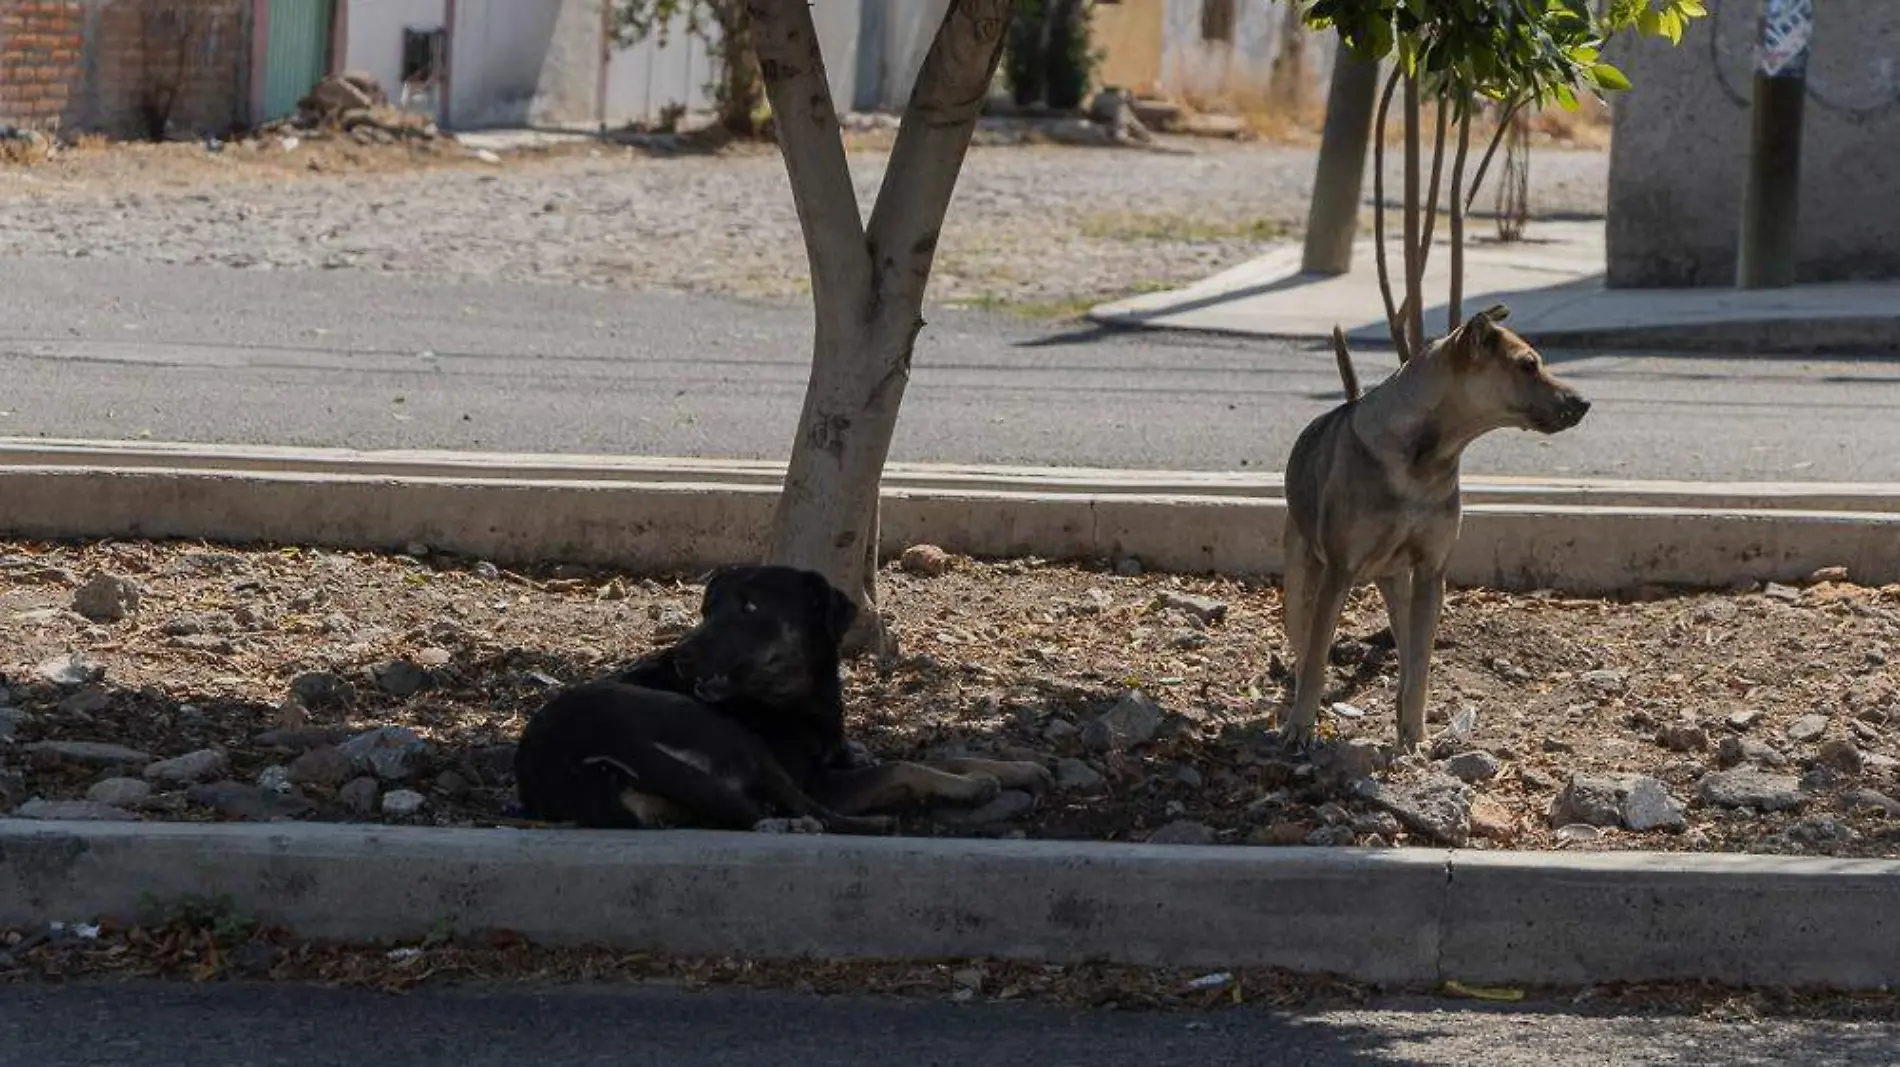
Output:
x=743 y=718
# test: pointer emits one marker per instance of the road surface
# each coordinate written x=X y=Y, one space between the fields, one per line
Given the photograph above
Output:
x=220 y=1025
x=112 y=349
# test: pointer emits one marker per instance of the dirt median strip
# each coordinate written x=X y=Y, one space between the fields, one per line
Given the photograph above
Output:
x=1390 y=917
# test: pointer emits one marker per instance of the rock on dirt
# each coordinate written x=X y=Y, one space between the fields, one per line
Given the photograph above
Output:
x=1735 y=751
x=1683 y=737
x=1492 y=821
x=1006 y=805
x=402 y=803
x=390 y=752
x=1206 y=609
x=106 y=598
x=60 y=810
x=1338 y=766
x=1183 y=832
x=190 y=767
x=240 y=800
x=1437 y=807
x=1133 y=720
x=1744 y=788
x=1870 y=798
x=321 y=690
x=1611 y=800
x=119 y=792
x=1841 y=756
x=1474 y=766
x=1076 y=774
x=70 y=671
x=325 y=766
x=401 y=678
x=927 y=560
x=1807 y=728
x=95 y=753
x=358 y=796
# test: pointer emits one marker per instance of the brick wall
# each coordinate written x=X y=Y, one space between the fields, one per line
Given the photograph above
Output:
x=182 y=59
x=41 y=60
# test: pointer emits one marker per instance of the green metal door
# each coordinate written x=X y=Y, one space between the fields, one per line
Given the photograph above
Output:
x=297 y=55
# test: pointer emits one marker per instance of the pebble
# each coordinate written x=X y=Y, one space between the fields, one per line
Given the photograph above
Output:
x=1783 y=593
x=1133 y=720
x=1474 y=766
x=1807 y=728
x=190 y=767
x=275 y=779
x=1059 y=730
x=97 y=753
x=1841 y=756
x=1206 y=609
x=401 y=678
x=1683 y=737
x=70 y=671
x=1338 y=766
x=119 y=792
x=1869 y=798
x=402 y=803
x=10 y=720
x=1605 y=681
x=927 y=560
x=1579 y=834
x=390 y=752
x=74 y=810
x=1750 y=789
x=1437 y=808
x=1331 y=837
x=1183 y=832
x=1648 y=806
x=1076 y=774
x=1634 y=801
x=87 y=701
x=1742 y=720
x=1492 y=821
x=106 y=598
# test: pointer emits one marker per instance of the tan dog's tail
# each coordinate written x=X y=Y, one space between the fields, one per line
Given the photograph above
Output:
x=1347 y=376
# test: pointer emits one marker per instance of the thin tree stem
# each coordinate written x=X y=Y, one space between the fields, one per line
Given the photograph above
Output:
x=1414 y=302
x=1392 y=319
x=1484 y=164
x=1454 y=307
x=1431 y=199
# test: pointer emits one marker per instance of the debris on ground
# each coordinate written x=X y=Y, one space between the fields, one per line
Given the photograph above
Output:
x=351 y=686
x=353 y=104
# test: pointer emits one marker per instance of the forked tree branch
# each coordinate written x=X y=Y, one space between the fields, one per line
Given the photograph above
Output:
x=935 y=135
x=1484 y=163
x=1392 y=320
x=806 y=127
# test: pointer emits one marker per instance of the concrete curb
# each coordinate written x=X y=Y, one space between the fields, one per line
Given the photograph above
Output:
x=1399 y=917
x=684 y=516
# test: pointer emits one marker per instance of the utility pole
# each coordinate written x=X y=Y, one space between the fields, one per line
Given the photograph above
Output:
x=1766 y=259
x=1332 y=218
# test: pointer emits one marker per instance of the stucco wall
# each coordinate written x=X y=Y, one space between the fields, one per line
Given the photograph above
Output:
x=374 y=41
x=525 y=63
x=1677 y=168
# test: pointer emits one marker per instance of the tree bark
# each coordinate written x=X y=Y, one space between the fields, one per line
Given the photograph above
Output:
x=1332 y=219
x=1454 y=306
x=1414 y=308
x=868 y=281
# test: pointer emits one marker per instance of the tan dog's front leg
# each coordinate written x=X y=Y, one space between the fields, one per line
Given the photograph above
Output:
x=1322 y=622
x=1415 y=653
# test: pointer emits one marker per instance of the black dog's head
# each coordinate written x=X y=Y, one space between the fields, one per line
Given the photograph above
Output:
x=767 y=634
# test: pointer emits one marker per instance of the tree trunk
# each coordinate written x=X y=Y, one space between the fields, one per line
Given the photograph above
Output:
x=868 y=281
x=1332 y=219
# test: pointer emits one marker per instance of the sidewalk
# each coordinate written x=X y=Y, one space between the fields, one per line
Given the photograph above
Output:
x=1553 y=284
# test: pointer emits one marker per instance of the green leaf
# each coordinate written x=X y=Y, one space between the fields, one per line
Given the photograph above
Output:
x=1691 y=9
x=1610 y=78
x=1672 y=26
x=1650 y=22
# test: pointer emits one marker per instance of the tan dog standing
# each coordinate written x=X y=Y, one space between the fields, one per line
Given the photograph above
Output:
x=1372 y=493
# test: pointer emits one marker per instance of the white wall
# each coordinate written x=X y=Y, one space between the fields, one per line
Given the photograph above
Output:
x=1192 y=65
x=643 y=78
x=897 y=37
x=524 y=62
x=374 y=43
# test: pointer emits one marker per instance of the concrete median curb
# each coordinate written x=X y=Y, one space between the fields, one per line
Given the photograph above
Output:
x=681 y=516
x=1398 y=917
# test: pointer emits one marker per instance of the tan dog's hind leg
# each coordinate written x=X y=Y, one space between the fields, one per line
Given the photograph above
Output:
x=895 y=785
x=1415 y=653
x=1011 y=774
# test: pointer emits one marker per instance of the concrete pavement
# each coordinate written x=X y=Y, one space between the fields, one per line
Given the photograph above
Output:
x=1553 y=283
x=98 y=349
x=150 y=1024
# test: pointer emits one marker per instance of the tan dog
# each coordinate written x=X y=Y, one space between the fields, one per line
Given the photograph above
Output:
x=1372 y=494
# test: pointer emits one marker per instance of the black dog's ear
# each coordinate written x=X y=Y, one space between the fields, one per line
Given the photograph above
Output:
x=718 y=588
x=837 y=609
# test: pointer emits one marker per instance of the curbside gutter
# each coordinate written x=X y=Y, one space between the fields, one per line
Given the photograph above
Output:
x=1396 y=917
x=683 y=516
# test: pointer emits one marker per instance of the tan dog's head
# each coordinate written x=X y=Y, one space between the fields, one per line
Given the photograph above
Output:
x=1503 y=380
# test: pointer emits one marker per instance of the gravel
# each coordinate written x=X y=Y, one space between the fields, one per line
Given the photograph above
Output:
x=1030 y=225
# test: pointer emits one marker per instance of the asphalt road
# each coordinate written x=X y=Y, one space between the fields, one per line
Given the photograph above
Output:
x=150 y=1025
x=106 y=349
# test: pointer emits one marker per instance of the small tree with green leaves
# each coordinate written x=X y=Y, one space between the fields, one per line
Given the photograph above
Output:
x=1457 y=53
x=739 y=87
